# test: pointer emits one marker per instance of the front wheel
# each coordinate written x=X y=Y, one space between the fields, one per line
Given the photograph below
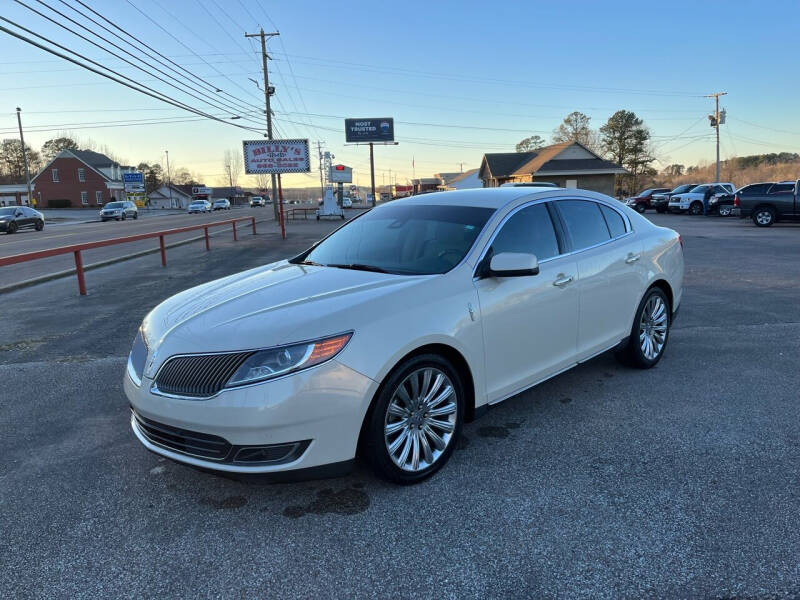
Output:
x=650 y=331
x=415 y=422
x=763 y=216
x=135 y=216
x=12 y=228
x=124 y=216
x=696 y=208
x=661 y=211
x=640 y=208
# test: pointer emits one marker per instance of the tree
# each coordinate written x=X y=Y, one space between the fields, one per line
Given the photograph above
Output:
x=674 y=170
x=530 y=144
x=183 y=176
x=626 y=140
x=575 y=128
x=232 y=165
x=153 y=176
x=52 y=147
x=12 y=161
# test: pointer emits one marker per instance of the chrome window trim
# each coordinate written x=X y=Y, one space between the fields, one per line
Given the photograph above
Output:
x=628 y=227
x=154 y=388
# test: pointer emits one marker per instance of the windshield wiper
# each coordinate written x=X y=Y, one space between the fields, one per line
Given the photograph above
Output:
x=358 y=267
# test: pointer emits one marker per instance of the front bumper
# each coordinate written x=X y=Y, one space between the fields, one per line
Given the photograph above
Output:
x=321 y=409
x=4 y=225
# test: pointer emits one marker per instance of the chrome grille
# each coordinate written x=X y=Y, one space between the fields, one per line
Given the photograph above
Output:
x=198 y=375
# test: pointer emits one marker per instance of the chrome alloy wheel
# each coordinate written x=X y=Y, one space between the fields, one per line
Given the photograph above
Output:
x=653 y=327
x=764 y=217
x=420 y=419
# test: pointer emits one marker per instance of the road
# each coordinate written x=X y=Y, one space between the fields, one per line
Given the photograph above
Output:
x=78 y=232
x=604 y=482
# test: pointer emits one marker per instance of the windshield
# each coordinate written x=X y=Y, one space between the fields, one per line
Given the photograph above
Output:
x=683 y=188
x=7 y=211
x=699 y=189
x=114 y=205
x=407 y=239
x=198 y=203
x=647 y=192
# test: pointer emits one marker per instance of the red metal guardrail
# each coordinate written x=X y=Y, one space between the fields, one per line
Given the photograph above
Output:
x=76 y=249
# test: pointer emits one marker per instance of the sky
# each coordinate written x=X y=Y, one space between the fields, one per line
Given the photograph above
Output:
x=459 y=78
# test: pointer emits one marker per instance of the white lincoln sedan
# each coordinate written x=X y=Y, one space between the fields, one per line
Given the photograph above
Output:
x=383 y=338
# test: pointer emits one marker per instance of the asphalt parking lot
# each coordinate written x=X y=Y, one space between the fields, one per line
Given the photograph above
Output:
x=605 y=482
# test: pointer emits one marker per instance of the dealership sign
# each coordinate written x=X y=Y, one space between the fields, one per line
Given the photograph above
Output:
x=133 y=182
x=369 y=130
x=276 y=156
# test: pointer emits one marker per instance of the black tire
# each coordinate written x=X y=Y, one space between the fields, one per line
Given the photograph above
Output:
x=724 y=210
x=39 y=225
x=764 y=216
x=12 y=228
x=696 y=208
x=631 y=352
x=661 y=211
x=640 y=208
x=124 y=216
x=373 y=445
x=135 y=215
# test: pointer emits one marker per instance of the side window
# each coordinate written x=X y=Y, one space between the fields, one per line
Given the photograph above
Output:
x=782 y=188
x=615 y=222
x=530 y=230
x=584 y=222
x=757 y=188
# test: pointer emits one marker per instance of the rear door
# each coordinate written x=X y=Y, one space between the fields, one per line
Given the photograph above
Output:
x=781 y=196
x=610 y=272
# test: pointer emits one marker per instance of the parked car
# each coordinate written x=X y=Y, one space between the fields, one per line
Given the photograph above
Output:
x=692 y=200
x=529 y=184
x=257 y=201
x=722 y=205
x=119 y=210
x=395 y=329
x=767 y=203
x=641 y=202
x=199 y=206
x=347 y=203
x=221 y=204
x=14 y=218
x=660 y=202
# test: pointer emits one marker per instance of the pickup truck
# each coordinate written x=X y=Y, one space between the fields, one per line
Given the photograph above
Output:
x=693 y=199
x=660 y=202
x=768 y=202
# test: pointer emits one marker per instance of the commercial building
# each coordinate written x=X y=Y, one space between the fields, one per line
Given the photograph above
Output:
x=568 y=165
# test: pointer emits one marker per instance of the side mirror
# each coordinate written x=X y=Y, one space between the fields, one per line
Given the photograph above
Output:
x=513 y=264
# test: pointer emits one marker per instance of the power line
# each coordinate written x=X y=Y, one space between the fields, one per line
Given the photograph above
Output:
x=142 y=89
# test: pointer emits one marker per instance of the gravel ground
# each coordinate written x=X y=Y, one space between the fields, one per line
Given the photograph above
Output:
x=605 y=482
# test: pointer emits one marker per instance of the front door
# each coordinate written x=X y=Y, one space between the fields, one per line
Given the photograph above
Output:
x=529 y=323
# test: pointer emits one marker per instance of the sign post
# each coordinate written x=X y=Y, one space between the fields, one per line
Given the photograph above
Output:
x=276 y=157
x=370 y=131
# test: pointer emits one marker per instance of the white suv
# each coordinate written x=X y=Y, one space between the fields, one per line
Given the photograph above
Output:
x=693 y=199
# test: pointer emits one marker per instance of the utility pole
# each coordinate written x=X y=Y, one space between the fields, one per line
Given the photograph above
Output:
x=267 y=93
x=372 y=172
x=24 y=156
x=321 y=180
x=715 y=118
x=169 y=180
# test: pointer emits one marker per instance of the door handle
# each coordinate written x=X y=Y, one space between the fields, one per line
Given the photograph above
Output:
x=632 y=258
x=562 y=280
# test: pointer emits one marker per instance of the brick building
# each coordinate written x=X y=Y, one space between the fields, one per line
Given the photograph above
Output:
x=79 y=179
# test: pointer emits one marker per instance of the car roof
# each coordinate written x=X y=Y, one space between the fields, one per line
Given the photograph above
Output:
x=495 y=197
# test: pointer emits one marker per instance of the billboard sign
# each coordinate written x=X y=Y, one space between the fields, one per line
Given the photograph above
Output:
x=276 y=156
x=133 y=182
x=369 y=130
x=201 y=191
x=341 y=174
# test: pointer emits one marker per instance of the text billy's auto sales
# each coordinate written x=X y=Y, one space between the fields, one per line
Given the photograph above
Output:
x=276 y=156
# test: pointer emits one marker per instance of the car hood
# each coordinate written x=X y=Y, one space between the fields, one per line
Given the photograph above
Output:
x=263 y=307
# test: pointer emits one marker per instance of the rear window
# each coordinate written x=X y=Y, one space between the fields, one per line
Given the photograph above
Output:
x=584 y=222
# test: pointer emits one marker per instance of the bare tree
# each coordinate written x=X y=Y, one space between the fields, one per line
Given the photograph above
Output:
x=575 y=128
x=232 y=165
x=530 y=143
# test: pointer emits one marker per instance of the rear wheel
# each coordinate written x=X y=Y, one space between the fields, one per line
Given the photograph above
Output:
x=39 y=225
x=764 y=216
x=413 y=426
x=696 y=208
x=724 y=210
x=124 y=216
x=650 y=331
x=661 y=211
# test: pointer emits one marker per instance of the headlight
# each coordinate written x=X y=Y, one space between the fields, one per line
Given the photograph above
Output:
x=274 y=362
